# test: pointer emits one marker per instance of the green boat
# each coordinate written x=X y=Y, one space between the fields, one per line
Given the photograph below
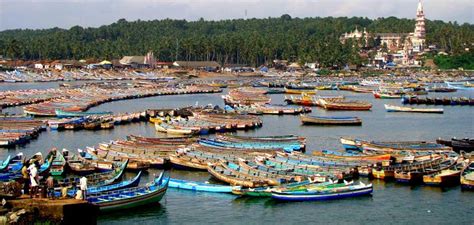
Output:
x=131 y=197
x=63 y=114
x=58 y=165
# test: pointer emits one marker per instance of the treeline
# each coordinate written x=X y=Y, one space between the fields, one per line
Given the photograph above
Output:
x=464 y=60
x=252 y=41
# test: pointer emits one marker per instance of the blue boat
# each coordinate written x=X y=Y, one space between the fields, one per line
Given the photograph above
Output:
x=351 y=191
x=131 y=197
x=251 y=145
x=98 y=189
x=5 y=163
x=198 y=186
x=64 y=114
x=44 y=168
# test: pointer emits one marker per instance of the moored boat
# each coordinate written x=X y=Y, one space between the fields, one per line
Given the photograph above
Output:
x=131 y=197
x=356 y=190
x=199 y=186
x=393 y=108
x=330 y=120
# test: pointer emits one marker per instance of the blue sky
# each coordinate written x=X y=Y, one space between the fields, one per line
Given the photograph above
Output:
x=94 y=13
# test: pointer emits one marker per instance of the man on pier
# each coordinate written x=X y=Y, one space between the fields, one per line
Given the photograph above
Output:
x=83 y=185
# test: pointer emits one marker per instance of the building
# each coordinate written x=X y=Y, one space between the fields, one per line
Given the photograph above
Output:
x=403 y=45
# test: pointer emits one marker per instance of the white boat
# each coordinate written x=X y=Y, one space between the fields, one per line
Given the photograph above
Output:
x=394 y=108
x=166 y=128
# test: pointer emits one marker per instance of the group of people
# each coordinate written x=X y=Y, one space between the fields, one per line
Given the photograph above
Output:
x=31 y=182
x=30 y=175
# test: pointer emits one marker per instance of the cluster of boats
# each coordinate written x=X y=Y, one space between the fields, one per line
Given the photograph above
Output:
x=93 y=121
x=77 y=100
x=78 y=75
x=438 y=101
x=204 y=121
x=18 y=130
x=415 y=162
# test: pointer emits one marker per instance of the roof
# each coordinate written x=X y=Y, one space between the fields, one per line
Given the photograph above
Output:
x=196 y=64
x=127 y=60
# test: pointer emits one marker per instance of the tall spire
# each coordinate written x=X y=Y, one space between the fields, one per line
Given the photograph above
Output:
x=420 y=21
x=420 y=7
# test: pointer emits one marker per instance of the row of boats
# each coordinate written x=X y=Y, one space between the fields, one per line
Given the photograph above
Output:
x=74 y=101
x=265 y=166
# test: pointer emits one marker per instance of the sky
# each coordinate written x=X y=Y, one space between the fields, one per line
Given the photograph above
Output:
x=40 y=14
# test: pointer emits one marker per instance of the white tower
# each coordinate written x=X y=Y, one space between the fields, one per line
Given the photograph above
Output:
x=420 y=33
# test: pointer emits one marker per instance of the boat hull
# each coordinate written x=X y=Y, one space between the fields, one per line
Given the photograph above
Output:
x=322 y=197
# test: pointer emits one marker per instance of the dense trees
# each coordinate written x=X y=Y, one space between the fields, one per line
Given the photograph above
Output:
x=464 y=60
x=252 y=41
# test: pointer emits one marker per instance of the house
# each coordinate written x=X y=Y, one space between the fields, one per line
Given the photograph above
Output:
x=209 y=66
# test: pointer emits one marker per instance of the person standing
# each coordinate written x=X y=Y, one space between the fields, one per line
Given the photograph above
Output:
x=83 y=186
x=50 y=186
x=33 y=179
x=26 y=178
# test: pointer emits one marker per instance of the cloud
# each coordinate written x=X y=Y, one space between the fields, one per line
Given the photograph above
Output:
x=94 y=13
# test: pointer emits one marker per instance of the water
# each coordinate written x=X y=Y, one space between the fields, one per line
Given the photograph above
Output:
x=391 y=203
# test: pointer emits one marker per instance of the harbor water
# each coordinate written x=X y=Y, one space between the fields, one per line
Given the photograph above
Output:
x=390 y=203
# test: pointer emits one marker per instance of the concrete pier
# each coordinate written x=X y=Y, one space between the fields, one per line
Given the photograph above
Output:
x=61 y=211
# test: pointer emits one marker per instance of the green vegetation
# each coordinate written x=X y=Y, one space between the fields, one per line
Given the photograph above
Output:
x=253 y=41
x=464 y=60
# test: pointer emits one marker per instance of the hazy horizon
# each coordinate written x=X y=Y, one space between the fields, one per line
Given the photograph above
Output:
x=44 y=14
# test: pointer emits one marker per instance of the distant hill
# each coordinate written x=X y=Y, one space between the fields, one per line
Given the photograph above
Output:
x=252 y=41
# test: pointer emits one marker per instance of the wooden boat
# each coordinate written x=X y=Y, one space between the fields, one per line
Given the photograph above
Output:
x=387 y=95
x=467 y=177
x=393 y=108
x=445 y=177
x=199 y=186
x=77 y=165
x=300 y=91
x=345 y=105
x=284 y=138
x=98 y=179
x=131 y=197
x=222 y=173
x=324 y=194
x=166 y=128
x=116 y=186
x=252 y=145
x=403 y=175
x=63 y=114
x=330 y=120
x=58 y=165
x=5 y=163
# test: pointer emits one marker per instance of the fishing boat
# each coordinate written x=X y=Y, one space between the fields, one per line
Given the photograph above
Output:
x=63 y=114
x=58 y=165
x=467 y=177
x=393 y=108
x=404 y=175
x=199 y=186
x=5 y=163
x=300 y=91
x=330 y=120
x=353 y=190
x=131 y=197
x=135 y=181
x=445 y=177
x=167 y=128
x=345 y=105
x=387 y=95
x=458 y=145
x=225 y=174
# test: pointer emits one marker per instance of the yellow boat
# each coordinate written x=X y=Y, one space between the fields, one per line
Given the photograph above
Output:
x=155 y=120
x=299 y=91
